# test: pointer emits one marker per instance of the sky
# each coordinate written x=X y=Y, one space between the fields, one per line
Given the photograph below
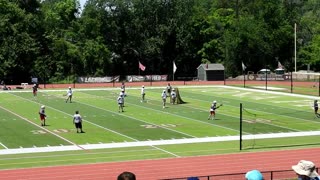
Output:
x=82 y=2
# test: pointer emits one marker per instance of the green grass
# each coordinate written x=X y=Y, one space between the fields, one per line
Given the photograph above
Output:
x=263 y=113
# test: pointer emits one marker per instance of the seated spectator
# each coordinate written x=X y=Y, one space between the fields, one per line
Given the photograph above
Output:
x=306 y=170
x=193 y=178
x=254 y=175
x=127 y=176
x=6 y=88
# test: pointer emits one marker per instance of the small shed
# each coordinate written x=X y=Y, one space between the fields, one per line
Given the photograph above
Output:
x=211 y=72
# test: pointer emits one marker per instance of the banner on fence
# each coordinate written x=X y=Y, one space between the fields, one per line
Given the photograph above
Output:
x=134 y=78
x=106 y=79
x=156 y=77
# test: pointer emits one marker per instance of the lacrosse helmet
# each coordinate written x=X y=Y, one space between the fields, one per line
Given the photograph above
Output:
x=42 y=107
x=214 y=102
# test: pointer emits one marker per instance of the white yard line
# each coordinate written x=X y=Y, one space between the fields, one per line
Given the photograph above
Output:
x=133 y=117
x=83 y=119
x=23 y=118
x=92 y=124
x=3 y=145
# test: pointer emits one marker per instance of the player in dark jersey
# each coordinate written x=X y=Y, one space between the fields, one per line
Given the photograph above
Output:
x=77 y=121
x=316 y=107
x=35 y=89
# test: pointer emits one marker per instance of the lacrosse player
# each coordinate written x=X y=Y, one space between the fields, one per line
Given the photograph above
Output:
x=69 y=95
x=42 y=115
x=143 y=93
x=34 y=89
x=316 y=107
x=164 y=98
x=77 y=121
x=123 y=87
x=173 y=96
x=213 y=108
x=122 y=94
x=120 y=101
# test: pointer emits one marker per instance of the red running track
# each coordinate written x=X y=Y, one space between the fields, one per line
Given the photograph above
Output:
x=172 y=167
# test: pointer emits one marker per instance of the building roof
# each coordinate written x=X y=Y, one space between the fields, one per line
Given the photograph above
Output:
x=211 y=67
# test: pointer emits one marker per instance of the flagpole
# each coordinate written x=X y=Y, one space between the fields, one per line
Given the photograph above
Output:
x=173 y=71
x=295 y=47
x=244 y=79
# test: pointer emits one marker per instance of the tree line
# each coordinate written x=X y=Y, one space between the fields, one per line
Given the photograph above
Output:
x=57 y=39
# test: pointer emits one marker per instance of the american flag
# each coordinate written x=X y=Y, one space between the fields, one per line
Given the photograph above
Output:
x=141 y=66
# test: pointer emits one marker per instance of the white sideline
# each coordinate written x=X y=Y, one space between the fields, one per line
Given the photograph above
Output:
x=156 y=142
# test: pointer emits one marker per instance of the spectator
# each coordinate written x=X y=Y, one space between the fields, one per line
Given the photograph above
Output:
x=127 y=176
x=6 y=88
x=306 y=170
x=193 y=178
x=254 y=175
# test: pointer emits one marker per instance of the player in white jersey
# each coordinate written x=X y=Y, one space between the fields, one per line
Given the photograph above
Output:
x=164 y=98
x=213 y=108
x=120 y=101
x=143 y=93
x=43 y=115
x=69 y=95
x=173 y=96
x=122 y=94
x=77 y=121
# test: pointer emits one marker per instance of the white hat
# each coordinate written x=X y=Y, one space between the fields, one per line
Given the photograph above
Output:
x=214 y=102
x=306 y=168
x=173 y=89
x=164 y=91
x=69 y=87
x=42 y=107
x=143 y=86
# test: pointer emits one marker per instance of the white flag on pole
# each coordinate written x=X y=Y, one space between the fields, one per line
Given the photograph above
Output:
x=243 y=67
x=174 y=67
